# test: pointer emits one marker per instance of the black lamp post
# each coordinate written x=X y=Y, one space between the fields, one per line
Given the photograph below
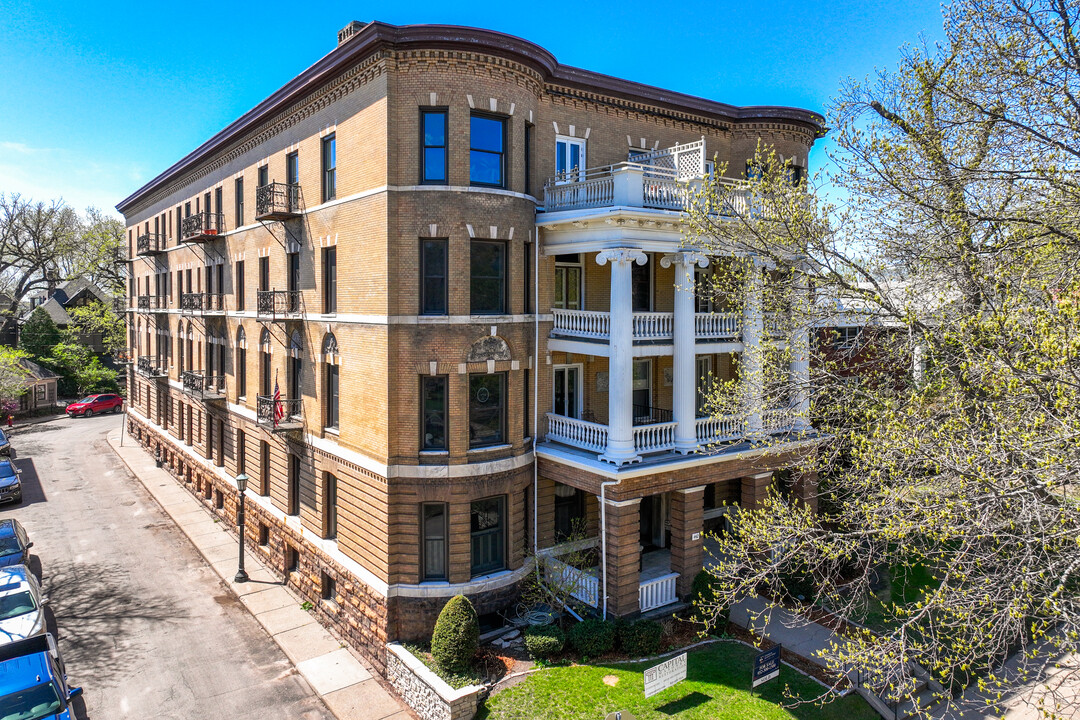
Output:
x=241 y=485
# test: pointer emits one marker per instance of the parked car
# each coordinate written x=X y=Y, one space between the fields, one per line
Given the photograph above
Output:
x=21 y=614
x=10 y=484
x=14 y=543
x=5 y=444
x=33 y=685
x=96 y=404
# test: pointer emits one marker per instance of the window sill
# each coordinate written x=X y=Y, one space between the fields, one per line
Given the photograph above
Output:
x=336 y=432
x=490 y=448
x=491 y=575
x=436 y=453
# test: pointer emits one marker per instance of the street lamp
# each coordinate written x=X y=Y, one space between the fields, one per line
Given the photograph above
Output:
x=241 y=485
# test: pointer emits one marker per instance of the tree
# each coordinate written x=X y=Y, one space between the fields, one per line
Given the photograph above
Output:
x=96 y=318
x=39 y=334
x=959 y=239
x=13 y=376
x=80 y=371
x=101 y=245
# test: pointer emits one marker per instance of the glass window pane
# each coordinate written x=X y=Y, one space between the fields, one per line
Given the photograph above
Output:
x=435 y=163
x=485 y=167
x=485 y=410
x=488 y=286
x=486 y=134
x=434 y=128
x=560 y=157
x=433 y=402
x=573 y=288
x=434 y=529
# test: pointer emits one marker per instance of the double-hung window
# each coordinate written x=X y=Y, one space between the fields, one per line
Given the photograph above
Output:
x=433 y=147
x=487 y=525
x=568 y=273
x=433 y=277
x=330 y=280
x=487 y=151
x=487 y=410
x=433 y=521
x=433 y=409
x=487 y=288
x=238 y=189
x=329 y=168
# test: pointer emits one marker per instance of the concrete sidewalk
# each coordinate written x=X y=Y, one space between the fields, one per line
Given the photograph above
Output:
x=334 y=672
x=798 y=635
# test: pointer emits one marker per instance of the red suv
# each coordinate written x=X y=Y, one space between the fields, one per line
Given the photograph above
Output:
x=95 y=404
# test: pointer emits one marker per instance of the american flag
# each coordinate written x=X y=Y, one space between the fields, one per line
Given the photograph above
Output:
x=279 y=407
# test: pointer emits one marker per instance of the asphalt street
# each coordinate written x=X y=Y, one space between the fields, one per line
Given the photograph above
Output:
x=144 y=625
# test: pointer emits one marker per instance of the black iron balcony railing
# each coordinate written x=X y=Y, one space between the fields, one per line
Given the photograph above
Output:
x=280 y=415
x=202 y=303
x=204 y=387
x=277 y=201
x=645 y=415
x=119 y=305
x=151 y=303
x=278 y=304
x=202 y=227
x=191 y=303
x=152 y=367
x=150 y=244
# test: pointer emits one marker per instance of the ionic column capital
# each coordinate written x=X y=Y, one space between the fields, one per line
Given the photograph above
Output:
x=620 y=255
x=686 y=258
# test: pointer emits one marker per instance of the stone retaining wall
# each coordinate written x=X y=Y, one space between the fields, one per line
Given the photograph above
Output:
x=426 y=692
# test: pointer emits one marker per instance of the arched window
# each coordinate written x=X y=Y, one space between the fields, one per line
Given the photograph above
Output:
x=264 y=363
x=332 y=379
x=241 y=363
x=295 y=365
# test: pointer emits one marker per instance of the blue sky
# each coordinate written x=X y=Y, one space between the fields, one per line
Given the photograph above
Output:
x=96 y=99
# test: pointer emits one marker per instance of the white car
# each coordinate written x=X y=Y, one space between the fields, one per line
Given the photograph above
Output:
x=21 y=615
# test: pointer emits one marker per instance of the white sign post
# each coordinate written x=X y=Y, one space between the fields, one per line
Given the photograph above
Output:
x=665 y=675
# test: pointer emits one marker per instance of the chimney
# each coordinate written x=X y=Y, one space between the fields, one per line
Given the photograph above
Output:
x=347 y=32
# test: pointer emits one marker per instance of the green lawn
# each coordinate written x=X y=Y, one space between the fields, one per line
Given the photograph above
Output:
x=905 y=587
x=717 y=687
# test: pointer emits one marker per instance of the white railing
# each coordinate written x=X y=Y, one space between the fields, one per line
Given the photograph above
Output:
x=719 y=429
x=776 y=419
x=656 y=437
x=654 y=325
x=582 y=323
x=578 y=433
x=578 y=583
x=774 y=325
x=598 y=191
x=657 y=593
x=667 y=193
x=685 y=161
x=720 y=326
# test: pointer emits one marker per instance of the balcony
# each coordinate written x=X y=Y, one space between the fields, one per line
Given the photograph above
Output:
x=279 y=416
x=278 y=304
x=151 y=303
x=202 y=227
x=152 y=367
x=149 y=244
x=649 y=327
x=120 y=305
x=654 y=430
x=202 y=304
x=277 y=201
x=204 y=387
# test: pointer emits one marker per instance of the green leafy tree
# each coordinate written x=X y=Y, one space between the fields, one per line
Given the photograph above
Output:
x=13 y=376
x=97 y=318
x=957 y=243
x=80 y=371
x=39 y=334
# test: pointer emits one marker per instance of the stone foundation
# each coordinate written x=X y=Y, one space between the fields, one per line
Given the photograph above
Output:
x=426 y=692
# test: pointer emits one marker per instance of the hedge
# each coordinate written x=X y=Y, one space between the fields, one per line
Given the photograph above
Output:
x=543 y=641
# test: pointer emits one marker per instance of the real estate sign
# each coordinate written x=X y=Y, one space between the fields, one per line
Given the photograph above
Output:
x=766 y=666
x=665 y=675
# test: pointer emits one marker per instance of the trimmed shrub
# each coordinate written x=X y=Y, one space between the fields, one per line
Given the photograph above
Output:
x=592 y=638
x=456 y=636
x=641 y=638
x=701 y=595
x=543 y=641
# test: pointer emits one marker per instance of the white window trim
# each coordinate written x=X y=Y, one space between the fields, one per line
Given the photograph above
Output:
x=581 y=142
x=580 y=368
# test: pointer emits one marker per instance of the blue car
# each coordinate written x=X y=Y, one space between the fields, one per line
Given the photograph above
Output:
x=5 y=444
x=33 y=685
x=14 y=544
x=10 y=484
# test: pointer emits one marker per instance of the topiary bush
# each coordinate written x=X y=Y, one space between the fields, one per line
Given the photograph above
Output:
x=456 y=636
x=641 y=638
x=543 y=641
x=592 y=638
x=701 y=597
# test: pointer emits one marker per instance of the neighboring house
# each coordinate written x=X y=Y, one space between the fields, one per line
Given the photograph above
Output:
x=74 y=293
x=351 y=295
x=40 y=387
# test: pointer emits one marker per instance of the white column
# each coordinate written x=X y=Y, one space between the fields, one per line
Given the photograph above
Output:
x=800 y=351
x=751 y=370
x=684 y=367
x=620 y=445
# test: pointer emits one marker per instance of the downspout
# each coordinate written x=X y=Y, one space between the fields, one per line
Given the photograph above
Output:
x=603 y=539
x=536 y=396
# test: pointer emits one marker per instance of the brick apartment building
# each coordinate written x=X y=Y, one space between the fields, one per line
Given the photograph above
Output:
x=433 y=244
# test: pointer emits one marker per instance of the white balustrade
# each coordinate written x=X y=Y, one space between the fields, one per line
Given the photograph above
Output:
x=657 y=593
x=719 y=429
x=582 y=323
x=589 y=193
x=774 y=325
x=717 y=326
x=778 y=419
x=578 y=433
x=655 y=437
x=654 y=325
x=667 y=193
x=578 y=583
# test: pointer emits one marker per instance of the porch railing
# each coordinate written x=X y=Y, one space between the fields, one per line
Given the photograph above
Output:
x=719 y=429
x=654 y=325
x=718 y=326
x=582 y=323
x=777 y=419
x=149 y=244
x=206 y=387
x=595 y=189
x=657 y=437
x=577 y=433
x=657 y=593
x=202 y=226
x=277 y=303
x=277 y=200
x=645 y=415
x=579 y=583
